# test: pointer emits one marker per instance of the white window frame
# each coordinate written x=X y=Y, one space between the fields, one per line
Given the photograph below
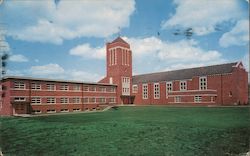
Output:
x=197 y=99
x=64 y=87
x=77 y=87
x=102 y=100
x=36 y=86
x=203 y=83
x=20 y=85
x=102 y=89
x=64 y=100
x=145 y=91
x=85 y=98
x=135 y=89
x=112 y=100
x=76 y=100
x=51 y=100
x=169 y=86
x=125 y=86
x=92 y=87
x=157 y=92
x=50 y=86
x=177 y=99
x=183 y=85
x=90 y=100
x=36 y=100
x=19 y=99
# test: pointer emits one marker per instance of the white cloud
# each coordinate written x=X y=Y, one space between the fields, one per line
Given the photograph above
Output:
x=49 y=69
x=239 y=35
x=203 y=15
x=18 y=58
x=67 y=20
x=86 y=51
x=181 y=51
x=55 y=71
x=166 y=55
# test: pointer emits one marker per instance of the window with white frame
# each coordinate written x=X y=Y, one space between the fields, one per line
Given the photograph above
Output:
x=177 y=99
x=85 y=100
x=102 y=100
x=51 y=100
x=102 y=89
x=19 y=99
x=35 y=100
x=156 y=91
x=197 y=99
x=112 y=100
x=37 y=111
x=203 y=83
x=35 y=86
x=64 y=100
x=135 y=89
x=76 y=109
x=92 y=100
x=64 y=87
x=113 y=57
x=92 y=88
x=145 y=91
x=51 y=110
x=86 y=88
x=183 y=85
x=169 y=87
x=77 y=87
x=19 y=85
x=76 y=100
x=112 y=89
x=64 y=110
x=125 y=86
x=50 y=86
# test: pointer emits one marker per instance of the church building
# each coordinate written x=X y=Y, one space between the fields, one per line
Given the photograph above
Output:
x=224 y=84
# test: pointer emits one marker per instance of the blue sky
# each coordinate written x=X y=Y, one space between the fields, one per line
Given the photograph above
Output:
x=66 y=39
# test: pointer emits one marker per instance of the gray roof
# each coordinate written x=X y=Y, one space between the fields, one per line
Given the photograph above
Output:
x=55 y=80
x=119 y=39
x=184 y=74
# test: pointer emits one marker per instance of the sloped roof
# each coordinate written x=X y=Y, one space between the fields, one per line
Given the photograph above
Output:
x=184 y=73
x=119 y=39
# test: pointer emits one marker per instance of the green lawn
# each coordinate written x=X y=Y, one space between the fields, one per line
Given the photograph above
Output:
x=130 y=131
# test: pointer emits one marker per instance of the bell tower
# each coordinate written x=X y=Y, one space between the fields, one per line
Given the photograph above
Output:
x=119 y=69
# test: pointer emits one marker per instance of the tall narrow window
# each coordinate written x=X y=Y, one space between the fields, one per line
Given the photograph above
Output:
x=127 y=57
x=144 y=91
x=203 y=83
x=183 y=85
x=169 y=87
x=125 y=86
x=110 y=57
x=156 y=91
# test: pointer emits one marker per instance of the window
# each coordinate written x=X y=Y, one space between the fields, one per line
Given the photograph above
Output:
x=77 y=87
x=64 y=110
x=64 y=100
x=50 y=86
x=125 y=86
x=203 y=83
x=135 y=89
x=144 y=91
x=113 y=57
x=35 y=86
x=51 y=100
x=86 y=88
x=19 y=99
x=37 y=111
x=112 y=100
x=35 y=100
x=76 y=109
x=212 y=99
x=102 y=100
x=177 y=99
x=102 y=89
x=183 y=85
x=85 y=100
x=76 y=100
x=19 y=85
x=92 y=89
x=230 y=94
x=92 y=100
x=156 y=91
x=169 y=87
x=112 y=89
x=64 y=87
x=51 y=110
x=197 y=99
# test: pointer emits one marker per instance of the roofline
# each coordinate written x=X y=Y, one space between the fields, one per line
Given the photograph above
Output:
x=184 y=69
x=55 y=80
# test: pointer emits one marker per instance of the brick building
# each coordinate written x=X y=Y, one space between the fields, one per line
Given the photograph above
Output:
x=225 y=84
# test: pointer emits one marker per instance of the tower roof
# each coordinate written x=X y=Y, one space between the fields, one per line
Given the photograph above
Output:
x=119 y=39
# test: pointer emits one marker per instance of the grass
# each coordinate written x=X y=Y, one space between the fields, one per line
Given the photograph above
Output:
x=130 y=131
